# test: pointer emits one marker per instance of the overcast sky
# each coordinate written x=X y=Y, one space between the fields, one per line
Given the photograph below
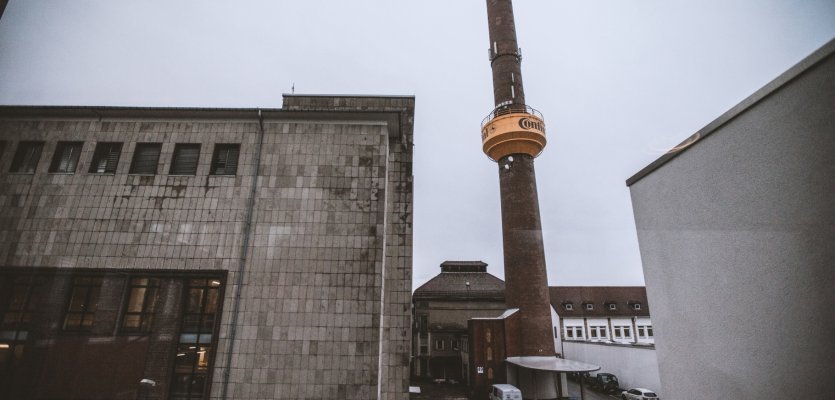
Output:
x=619 y=82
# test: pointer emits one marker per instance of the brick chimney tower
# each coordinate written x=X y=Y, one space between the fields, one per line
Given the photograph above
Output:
x=513 y=135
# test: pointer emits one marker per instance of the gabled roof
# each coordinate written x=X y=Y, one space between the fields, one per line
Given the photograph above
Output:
x=624 y=298
x=453 y=285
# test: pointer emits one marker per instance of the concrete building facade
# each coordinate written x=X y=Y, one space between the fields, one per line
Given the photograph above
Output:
x=221 y=253
x=735 y=228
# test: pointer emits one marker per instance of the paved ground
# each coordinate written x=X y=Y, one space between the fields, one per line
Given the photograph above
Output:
x=574 y=390
x=439 y=391
x=447 y=391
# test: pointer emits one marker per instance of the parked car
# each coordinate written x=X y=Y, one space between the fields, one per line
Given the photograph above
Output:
x=639 y=394
x=605 y=382
x=505 y=392
x=578 y=376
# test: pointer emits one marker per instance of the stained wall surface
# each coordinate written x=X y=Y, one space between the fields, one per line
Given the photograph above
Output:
x=736 y=236
x=320 y=241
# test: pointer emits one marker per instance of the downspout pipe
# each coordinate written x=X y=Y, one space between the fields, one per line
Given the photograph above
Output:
x=239 y=281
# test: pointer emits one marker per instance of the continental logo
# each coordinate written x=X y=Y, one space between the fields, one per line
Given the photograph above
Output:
x=531 y=124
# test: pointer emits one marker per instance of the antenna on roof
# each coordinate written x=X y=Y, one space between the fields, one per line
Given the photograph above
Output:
x=293 y=88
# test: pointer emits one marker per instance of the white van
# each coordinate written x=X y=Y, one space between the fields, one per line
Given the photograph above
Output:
x=505 y=392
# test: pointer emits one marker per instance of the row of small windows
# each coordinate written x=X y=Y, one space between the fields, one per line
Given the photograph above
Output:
x=610 y=306
x=602 y=332
x=184 y=160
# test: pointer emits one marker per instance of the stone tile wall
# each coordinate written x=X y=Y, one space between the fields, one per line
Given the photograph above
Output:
x=327 y=268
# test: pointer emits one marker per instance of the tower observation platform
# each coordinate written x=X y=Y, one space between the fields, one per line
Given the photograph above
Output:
x=513 y=129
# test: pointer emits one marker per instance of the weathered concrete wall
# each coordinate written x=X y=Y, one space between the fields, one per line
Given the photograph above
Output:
x=736 y=236
x=324 y=309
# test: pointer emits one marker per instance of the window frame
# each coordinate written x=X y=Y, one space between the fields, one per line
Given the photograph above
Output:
x=15 y=333
x=179 y=164
x=575 y=332
x=598 y=332
x=92 y=285
x=134 y=168
x=147 y=307
x=202 y=338
x=27 y=163
x=589 y=306
x=216 y=159
x=440 y=344
x=103 y=152
x=66 y=152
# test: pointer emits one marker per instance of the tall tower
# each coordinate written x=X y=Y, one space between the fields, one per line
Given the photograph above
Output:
x=513 y=135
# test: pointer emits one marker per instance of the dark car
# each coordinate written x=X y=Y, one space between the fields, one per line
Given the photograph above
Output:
x=605 y=382
x=578 y=376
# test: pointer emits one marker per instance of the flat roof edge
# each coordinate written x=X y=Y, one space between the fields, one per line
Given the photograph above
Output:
x=373 y=96
x=786 y=77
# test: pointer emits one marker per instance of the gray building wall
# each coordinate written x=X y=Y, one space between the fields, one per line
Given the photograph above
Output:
x=736 y=230
x=324 y=308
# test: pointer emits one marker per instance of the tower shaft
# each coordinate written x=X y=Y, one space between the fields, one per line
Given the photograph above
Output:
x=513 y=135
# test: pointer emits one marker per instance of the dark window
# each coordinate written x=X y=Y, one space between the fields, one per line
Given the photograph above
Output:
x=106 y=158
x=613 y=306
x=649 y=331
x=423 y=323
x=17 y=305
x=141 y=304
x=589 y=306
x=225 y=159
x=569 y=306
x=83 y=303
x=65 y=159
x=636 y=306
x=26 y=157
x=194 y=352
x=145 y=158
x=185 y=158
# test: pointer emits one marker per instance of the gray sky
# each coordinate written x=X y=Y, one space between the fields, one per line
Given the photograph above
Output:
x=620 y=82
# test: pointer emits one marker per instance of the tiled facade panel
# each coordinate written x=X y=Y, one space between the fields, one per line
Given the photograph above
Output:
x=309 y=323
x=329 y=247
x=123 y=221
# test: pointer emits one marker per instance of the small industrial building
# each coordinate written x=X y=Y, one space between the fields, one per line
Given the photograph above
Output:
x=442 y=306
x=736 y=227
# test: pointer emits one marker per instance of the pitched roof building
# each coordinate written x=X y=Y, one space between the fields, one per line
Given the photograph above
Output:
x=599 y=301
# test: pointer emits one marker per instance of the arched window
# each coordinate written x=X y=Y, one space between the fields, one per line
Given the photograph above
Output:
x=488 y=336
x=489 y=373
x=489 y=353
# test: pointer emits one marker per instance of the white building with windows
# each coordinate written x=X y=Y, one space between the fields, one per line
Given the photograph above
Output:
x=608 y=326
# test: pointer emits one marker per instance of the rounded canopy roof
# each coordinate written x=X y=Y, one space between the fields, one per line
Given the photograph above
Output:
x=555 y=364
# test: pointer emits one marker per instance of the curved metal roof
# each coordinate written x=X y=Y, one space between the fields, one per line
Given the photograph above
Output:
x=555 y=364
